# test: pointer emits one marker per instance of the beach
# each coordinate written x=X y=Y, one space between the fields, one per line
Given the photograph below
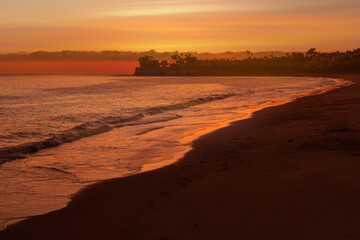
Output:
x=289 y=172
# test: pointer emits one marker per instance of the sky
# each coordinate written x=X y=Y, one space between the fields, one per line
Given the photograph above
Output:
x=184 y=25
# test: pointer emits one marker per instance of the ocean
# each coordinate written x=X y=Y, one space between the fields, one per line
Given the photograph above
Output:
x=60 y=133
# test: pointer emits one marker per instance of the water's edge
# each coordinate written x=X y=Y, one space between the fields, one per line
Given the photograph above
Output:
x=201 y=132
x=248 y=114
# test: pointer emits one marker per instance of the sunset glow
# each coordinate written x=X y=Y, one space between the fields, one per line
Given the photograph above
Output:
x=182 y=25
x=68 y=67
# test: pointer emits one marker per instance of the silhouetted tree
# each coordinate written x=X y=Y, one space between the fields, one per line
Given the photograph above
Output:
x=296 y=63
x=148 y=62
x=297 y=56
x=164 y=63
x=311 y=52
x=174 y=57
x=189 y=59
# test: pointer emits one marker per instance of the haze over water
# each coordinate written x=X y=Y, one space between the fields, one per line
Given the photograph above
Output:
x=91 y=128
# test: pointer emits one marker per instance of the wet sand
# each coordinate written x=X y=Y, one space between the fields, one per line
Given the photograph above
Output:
x=289 y=172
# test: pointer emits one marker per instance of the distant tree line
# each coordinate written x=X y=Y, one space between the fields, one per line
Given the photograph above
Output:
x=311 y=62
x=69 y=55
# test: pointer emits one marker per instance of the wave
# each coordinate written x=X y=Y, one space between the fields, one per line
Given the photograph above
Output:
x=150 y=120
x=57 y=173
x=22 y=134
x=78 y=132
x=149 y=130
x=100 y=126
x=178 y=106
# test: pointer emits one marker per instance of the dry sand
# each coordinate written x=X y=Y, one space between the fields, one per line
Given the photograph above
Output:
x=290 y=172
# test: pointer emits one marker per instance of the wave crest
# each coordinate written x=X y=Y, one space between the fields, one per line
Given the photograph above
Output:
x=97 y=127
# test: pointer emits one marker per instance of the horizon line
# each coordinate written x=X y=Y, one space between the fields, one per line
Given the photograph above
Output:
x=169 y=51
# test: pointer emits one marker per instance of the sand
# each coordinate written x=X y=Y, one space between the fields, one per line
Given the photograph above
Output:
x=289 y=172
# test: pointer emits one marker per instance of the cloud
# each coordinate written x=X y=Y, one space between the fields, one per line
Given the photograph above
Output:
x=196 y=25
x=150 y=8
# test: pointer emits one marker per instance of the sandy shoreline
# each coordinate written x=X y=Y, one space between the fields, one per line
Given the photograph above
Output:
x=290 y=172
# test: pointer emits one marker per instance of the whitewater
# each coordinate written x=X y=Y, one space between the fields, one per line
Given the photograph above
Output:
x=60 y=133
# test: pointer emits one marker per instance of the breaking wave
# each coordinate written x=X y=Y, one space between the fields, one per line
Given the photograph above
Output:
x=100 y=126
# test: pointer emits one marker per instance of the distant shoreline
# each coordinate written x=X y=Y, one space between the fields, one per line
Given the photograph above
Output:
x=312 y=62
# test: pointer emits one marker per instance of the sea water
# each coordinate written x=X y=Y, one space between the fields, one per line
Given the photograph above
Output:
x=61 y=133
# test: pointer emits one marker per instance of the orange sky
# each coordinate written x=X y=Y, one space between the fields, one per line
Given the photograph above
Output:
x=184 y=25
x=69 y=67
